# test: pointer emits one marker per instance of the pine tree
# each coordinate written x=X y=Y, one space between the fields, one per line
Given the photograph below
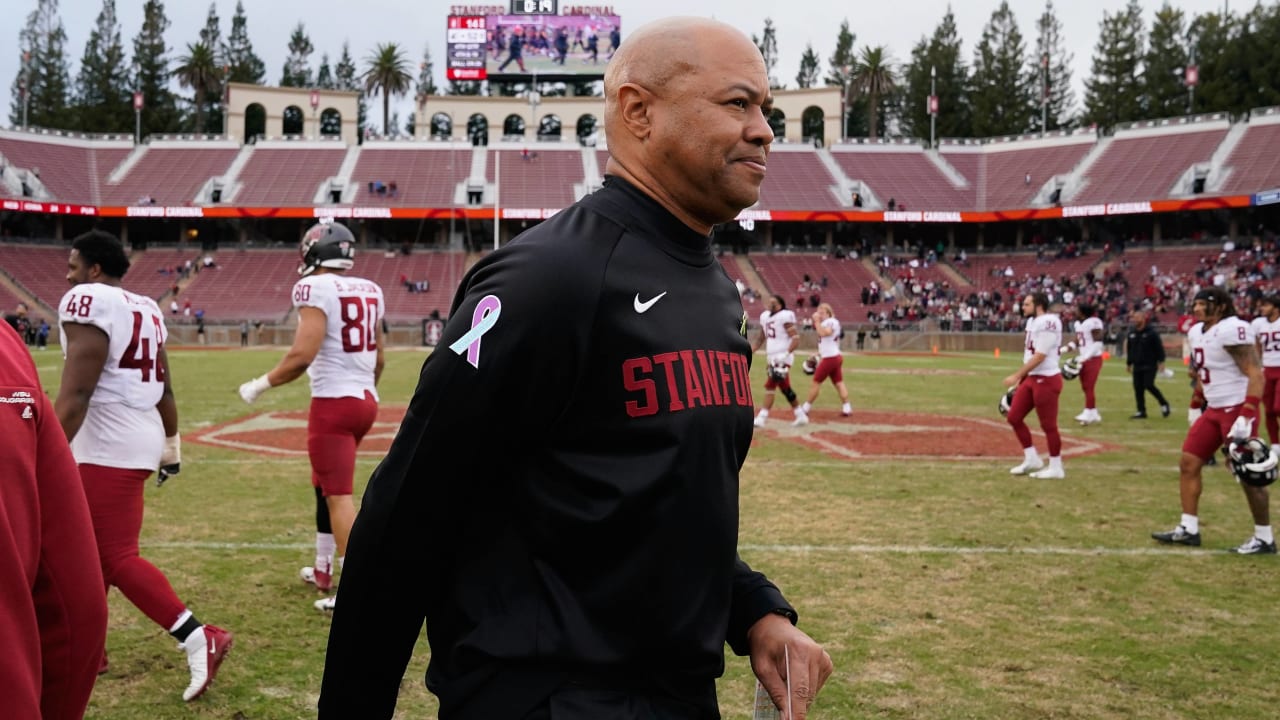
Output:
x=297 y=67
x=1054 y=61
x=1003 y=92
x=103 y=102
x=324 y=76
x=842 y=64
x=1114 y=93
x=1163 y=91
x=151 y=71
x=1211 y=33
x=768 y=44
x=941 y=53
x=344 y=74
x=808 y=75
x=243 y=65
x=426 y=84
x=42 y=50
x=211 y=38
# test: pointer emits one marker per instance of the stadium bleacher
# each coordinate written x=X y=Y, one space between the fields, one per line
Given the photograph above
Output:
x=904 y=175
x=1145 y=167
x=71 y=170
x=170 y=174
x=798 y=181
x=543 y=179
x=782 y=273
x=425 y=175
x=286 y=176
x=442 y=271
x=1254 y=163
x=245 y=284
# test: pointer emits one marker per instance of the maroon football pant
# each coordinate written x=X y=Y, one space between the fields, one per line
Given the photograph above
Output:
x=335 y=427
x=1089 y=372
x=115 y=504
x=1040 y=392
x=1271 y=402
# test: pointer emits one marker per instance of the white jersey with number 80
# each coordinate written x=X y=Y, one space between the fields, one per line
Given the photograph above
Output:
x=353 y=310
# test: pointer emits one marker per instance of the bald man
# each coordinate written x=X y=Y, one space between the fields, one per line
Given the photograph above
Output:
x=560 y=505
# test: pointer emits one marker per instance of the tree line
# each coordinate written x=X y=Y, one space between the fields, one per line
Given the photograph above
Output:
x=1008 y=84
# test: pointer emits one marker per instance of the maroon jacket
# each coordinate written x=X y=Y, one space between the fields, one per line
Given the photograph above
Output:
x=53 y=608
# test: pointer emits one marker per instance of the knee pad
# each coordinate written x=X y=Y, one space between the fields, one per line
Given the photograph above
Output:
x=322 y=513
x=789 y=394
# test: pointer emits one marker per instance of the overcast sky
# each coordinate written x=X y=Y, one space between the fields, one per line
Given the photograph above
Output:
x=897 y=24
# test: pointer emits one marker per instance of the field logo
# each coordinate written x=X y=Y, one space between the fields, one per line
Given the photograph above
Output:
x=284 y=432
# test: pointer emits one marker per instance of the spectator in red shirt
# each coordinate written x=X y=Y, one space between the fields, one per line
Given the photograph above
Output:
x=53 y=613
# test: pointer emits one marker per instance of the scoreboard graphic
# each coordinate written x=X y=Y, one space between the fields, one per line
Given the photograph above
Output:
x=528 y=40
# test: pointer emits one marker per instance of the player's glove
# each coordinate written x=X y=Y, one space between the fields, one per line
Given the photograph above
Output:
x=1242 y=429
x=778 y=373
x=170 y=459
x=250 y=391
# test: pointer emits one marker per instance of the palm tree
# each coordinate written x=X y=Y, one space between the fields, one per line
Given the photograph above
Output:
x=198 y=70
x=388 y=73
x=874 y=77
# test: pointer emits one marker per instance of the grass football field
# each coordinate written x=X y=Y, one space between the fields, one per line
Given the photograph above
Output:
x=943 y=589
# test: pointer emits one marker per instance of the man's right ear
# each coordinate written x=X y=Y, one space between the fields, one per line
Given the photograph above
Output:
x=634 y=105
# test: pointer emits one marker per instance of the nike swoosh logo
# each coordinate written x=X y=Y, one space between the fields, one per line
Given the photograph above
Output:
x=643 y=307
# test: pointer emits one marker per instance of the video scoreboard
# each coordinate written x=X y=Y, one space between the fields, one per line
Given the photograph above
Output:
x=530 y=38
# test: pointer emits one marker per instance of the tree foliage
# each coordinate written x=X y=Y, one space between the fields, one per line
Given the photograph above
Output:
x=243 y=65
x=840 y=74
x=1164 y=92
x=198 y=71
x=768 y=45
x=387 y=73
x=1003 y=92
x=47 y=77
x=808 y=75
x=103 y=102
x=875 y=80
x=1113 y=93
x=297 y=66
x=1051 y=66
x=151 y=71
x=941 y=53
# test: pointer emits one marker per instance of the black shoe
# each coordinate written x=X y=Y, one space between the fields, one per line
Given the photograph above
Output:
x=1178 y=536
x=1164 y=410
x=1138 y=416
x=1255 y=546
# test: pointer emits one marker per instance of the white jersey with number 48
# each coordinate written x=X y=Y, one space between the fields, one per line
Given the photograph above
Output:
x=353 y=310
x=122 y=428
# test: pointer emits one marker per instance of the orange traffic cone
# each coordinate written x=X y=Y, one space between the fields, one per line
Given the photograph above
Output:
x=997 y=352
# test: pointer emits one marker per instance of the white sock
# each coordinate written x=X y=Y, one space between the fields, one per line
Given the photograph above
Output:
x=805 y=408
x=1055 y=463
x=186 y=614
x=340 y=561
x=846 y=408
x=1030 y=455
x=1191 y=523
x=1263 y=532
x=763 y=414
x=325 y=547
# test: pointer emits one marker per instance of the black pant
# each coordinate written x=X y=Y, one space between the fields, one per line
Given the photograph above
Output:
x=1144 y=381
x=573 y=702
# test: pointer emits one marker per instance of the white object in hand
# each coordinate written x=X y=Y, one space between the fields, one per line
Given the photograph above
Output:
x=250 y=390
x=1241 y=429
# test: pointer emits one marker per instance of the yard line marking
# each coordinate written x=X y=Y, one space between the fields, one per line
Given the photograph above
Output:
x=798 y=549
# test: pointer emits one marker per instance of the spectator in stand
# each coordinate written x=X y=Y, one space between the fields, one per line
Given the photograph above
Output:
x=244 y=333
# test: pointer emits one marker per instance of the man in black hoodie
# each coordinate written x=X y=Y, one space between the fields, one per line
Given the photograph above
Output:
x=1143 y=359
x=561 y=503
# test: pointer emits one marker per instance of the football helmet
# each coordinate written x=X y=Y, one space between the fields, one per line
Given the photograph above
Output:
x=1006 y=401
x=327 y=245
x=1071 y=369
x=1253 y=462
x=777 y=373
x=810 y=365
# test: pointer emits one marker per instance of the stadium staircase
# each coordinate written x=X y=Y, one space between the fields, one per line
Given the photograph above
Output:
x=229 y=181
x=958 y=279
x=342 y=181
x=1074 y=182
x=1218 y=170
x=750 y=276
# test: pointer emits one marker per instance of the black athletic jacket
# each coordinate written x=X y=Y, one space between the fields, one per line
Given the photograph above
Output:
x=565 y=508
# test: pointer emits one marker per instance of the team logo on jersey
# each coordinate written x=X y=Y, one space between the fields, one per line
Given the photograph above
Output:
x=483 y=319
x=21 y=397
x=26 y=413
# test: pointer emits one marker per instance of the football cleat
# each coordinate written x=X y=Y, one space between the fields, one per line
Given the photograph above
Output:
x=321 y=579
x=1177 y=536
x=1083 y=417
x=1026 y=467
x=1255 y=546
x=205 y=648
x=758 y=422
x=1049 y=474
x=326 y=604
x=801 y=419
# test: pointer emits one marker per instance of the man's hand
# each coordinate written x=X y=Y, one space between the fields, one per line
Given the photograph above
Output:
x=170 y=459
x=250 y=390
x=773 y=639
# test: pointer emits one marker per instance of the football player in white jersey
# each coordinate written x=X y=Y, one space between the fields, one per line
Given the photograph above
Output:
x=1039 y=383
x=1089 y=331
x=780 y=338
x=1266 y=328
x=116 y=406
x=1225 y=357
x=829 y=366
x=339 y=345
